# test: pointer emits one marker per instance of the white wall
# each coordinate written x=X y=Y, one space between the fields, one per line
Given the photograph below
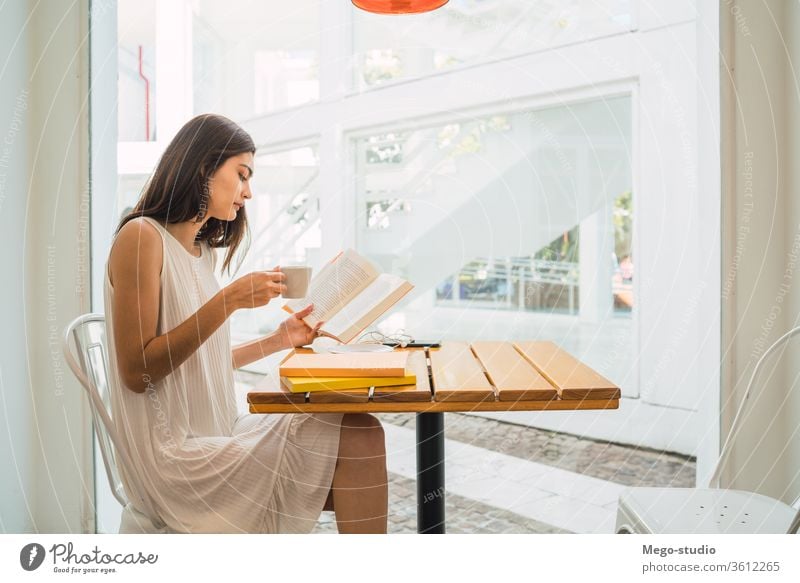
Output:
x=761 y=224
x=16 y=410
x=46 y=484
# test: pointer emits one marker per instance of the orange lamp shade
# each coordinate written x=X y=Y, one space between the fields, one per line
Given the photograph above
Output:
x=399 y=6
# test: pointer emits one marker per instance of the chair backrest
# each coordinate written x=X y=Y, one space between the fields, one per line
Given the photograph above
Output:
x=794 y=527
x=736 y=425
x=89 y=363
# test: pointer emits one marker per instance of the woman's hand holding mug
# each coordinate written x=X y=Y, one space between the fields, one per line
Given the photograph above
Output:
x=255 y=289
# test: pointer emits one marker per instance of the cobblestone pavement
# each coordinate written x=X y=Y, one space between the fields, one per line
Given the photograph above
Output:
x=464 y=516
x=623 y=464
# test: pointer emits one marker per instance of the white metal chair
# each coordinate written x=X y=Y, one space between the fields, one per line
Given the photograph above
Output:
x=708 y=510
x=89 y=363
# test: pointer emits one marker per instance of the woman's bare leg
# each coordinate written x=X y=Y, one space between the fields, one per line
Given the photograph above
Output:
x=360 y=487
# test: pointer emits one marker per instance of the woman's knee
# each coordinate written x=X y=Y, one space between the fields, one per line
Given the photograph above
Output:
x=361 y=421
x=362 y=435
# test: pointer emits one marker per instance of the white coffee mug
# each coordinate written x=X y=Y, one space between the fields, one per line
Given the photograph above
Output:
x=297 y=280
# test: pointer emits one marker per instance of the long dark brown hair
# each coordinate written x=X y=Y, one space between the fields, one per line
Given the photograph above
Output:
x=178 y=191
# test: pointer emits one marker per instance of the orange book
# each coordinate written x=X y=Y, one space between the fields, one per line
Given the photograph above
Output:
x=349 y=294
x=351 y=364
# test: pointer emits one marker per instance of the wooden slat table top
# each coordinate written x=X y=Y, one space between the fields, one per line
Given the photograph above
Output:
x=421 y=392
x=513 y=376
x=457 y=375
x=571 y=378
x=482 y=376
x=436 y=406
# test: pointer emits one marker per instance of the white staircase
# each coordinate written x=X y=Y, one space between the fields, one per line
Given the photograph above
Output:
x=504 y=200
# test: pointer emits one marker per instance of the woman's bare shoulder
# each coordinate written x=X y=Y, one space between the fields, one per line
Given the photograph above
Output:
x=136 y=247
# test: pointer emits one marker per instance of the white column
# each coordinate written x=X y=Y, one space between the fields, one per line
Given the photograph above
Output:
x=596 y=241
x=337 y=212
x=47 y=108
x=708 y=94
x=105 y=214
x=105 y=511
x=335 y=49
x=759 y=274
x=241 y=63
x=173 y=94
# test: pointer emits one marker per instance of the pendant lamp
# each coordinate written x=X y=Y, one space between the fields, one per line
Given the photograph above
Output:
x=399 y=6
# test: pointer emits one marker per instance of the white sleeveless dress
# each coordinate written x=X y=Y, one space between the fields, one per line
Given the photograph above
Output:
x=204 y=467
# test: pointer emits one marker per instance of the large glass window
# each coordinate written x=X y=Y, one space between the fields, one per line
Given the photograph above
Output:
x=469 y=31
x=513 y=225
x=252 y=58
x=504 y=192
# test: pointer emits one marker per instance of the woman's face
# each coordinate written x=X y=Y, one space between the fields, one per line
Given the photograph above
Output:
x=230 y=186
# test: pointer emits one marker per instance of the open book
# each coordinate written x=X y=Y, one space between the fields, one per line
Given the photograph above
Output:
x=349 y=294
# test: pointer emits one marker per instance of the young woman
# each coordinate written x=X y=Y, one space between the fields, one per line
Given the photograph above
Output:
x=202 y=466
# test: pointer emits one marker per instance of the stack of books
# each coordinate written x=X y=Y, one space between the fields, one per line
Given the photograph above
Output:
x=304 y=373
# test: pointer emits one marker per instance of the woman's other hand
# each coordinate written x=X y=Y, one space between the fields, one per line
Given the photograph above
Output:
x=295 y=332
x=255 y=289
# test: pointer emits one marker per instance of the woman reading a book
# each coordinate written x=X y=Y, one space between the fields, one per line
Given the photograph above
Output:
x=200 y=465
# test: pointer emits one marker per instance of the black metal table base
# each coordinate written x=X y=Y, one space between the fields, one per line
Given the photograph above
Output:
x=430 y=473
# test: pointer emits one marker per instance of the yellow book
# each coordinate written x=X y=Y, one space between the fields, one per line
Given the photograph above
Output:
x=314 y=384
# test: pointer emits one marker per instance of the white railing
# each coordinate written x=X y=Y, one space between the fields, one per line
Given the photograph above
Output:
x=524 y=274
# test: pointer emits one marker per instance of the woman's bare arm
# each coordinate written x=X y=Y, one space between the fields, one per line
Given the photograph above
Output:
x=135 y=264
x=292 y=332
x=244 y=354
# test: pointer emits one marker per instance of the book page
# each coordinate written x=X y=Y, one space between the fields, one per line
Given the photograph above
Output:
x=336 y=284
x=375 y=299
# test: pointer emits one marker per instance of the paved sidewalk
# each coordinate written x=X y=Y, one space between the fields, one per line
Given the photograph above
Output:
x=623 y=464
x=464 y=516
